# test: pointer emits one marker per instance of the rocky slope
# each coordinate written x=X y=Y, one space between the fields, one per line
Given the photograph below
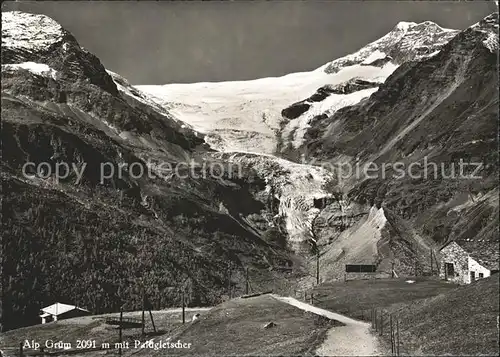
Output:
x=96 y=242
x=251 y=120
x=413 y=132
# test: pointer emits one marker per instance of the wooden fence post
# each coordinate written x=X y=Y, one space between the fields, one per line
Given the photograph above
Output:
x=247 y=286
x=392 y=335
x=229 y=280
x=317 y=266
x=183 y=307
x=432 y=265
x=375 y=318
x=397 y=336
x=152 y=320
x=143 y=307
x=381 y=322
x=120 y=332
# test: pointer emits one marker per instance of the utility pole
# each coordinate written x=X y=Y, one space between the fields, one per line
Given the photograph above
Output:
x=143 y=320
x=317 y=265
x=432 y=265
x=183 y=307
x=381 y=322
x=246 y=284
x=152 y=321
x=392 y=336
x=120 y=332
x=229 y=281
x=397 y=336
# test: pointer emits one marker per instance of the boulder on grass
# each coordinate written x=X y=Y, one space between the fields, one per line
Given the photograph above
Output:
x=270 y=325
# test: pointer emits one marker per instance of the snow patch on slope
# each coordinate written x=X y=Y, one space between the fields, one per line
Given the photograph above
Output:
x=373 y=57
x=405 y=25
x=39 y=69
x=491 y=42
x=298 y=127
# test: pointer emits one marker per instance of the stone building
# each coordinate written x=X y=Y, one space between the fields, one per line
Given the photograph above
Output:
x=459 y=266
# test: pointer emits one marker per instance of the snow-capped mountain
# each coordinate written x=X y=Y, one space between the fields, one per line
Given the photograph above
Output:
x=33 y=39
x=408 y=41
x=419 y=91
x=245 y=116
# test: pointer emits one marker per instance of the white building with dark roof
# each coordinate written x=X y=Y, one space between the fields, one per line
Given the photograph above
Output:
x=59 y=311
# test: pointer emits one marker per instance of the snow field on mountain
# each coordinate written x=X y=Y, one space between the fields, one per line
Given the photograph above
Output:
x=40 y=69
x=252 y=109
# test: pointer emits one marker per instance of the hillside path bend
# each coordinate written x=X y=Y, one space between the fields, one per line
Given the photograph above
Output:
x=353 y=339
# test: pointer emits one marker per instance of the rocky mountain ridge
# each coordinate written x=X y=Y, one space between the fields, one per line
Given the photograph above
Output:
x=408 y=41
x=427 y=117
x=96 y=239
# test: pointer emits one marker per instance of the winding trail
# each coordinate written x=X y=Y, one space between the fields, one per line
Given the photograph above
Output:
x=353 y=339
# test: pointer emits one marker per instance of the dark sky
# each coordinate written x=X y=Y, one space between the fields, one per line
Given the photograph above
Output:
x=152 y=42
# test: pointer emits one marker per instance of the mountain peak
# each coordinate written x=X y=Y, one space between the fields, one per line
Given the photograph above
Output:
x=31 y=32
x=404 y=25
x=487 y=29
x=491 y=20
x=406 y=42
x=37 y=43
x=419 y=26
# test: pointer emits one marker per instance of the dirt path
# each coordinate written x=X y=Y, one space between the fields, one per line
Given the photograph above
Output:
x=353 y=339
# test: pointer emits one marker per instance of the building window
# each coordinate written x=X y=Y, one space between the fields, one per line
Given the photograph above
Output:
x=449 y=269
x=481 y=275
x=472 y=276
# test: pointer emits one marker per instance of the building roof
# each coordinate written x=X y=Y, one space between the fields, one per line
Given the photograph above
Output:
x=59 y=309
x=450 y=242
x=485 y=257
